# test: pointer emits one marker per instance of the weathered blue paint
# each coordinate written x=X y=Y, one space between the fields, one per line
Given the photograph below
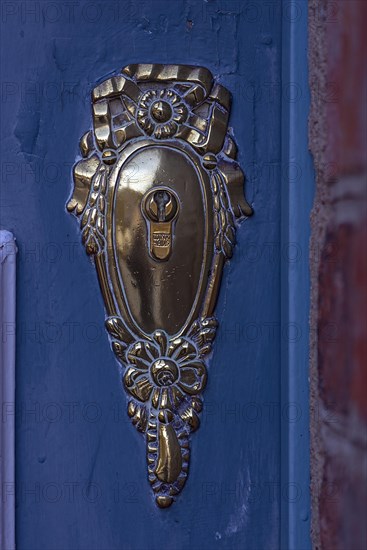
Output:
x=297 y=199
x=66 y=371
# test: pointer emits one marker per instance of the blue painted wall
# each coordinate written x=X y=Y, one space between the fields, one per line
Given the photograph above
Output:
x=80 y=466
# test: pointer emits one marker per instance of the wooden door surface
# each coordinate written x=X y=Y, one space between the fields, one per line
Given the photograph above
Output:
x=80 y=466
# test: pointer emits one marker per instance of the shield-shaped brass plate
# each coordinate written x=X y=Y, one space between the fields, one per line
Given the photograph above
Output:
x=158 y=192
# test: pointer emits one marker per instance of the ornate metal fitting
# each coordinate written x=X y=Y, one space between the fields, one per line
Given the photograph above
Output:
x=157 y=192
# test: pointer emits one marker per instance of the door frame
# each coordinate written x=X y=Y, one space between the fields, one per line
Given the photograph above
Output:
x=297 y=194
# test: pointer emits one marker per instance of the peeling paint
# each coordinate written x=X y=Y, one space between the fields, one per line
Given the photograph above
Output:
x=239 y=517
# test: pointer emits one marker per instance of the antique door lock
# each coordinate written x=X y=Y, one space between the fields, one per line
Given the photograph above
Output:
x=157 y=192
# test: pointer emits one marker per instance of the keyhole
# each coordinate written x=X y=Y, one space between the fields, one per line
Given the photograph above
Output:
x=160 y=208
x=161 y=198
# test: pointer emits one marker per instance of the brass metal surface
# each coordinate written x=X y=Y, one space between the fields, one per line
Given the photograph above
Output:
x=158 y=192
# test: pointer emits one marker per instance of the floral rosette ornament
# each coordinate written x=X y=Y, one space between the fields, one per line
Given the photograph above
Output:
x=160 y=113
x=165 y=378
x=158 y=192
x=165 y=373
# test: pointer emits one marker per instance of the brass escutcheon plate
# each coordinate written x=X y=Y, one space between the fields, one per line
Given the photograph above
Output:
x=158 y=192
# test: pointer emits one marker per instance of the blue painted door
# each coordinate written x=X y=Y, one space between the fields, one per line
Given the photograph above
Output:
x=80 y=467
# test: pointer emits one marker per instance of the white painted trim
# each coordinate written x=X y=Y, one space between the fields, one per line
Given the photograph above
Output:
x=8 y=252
